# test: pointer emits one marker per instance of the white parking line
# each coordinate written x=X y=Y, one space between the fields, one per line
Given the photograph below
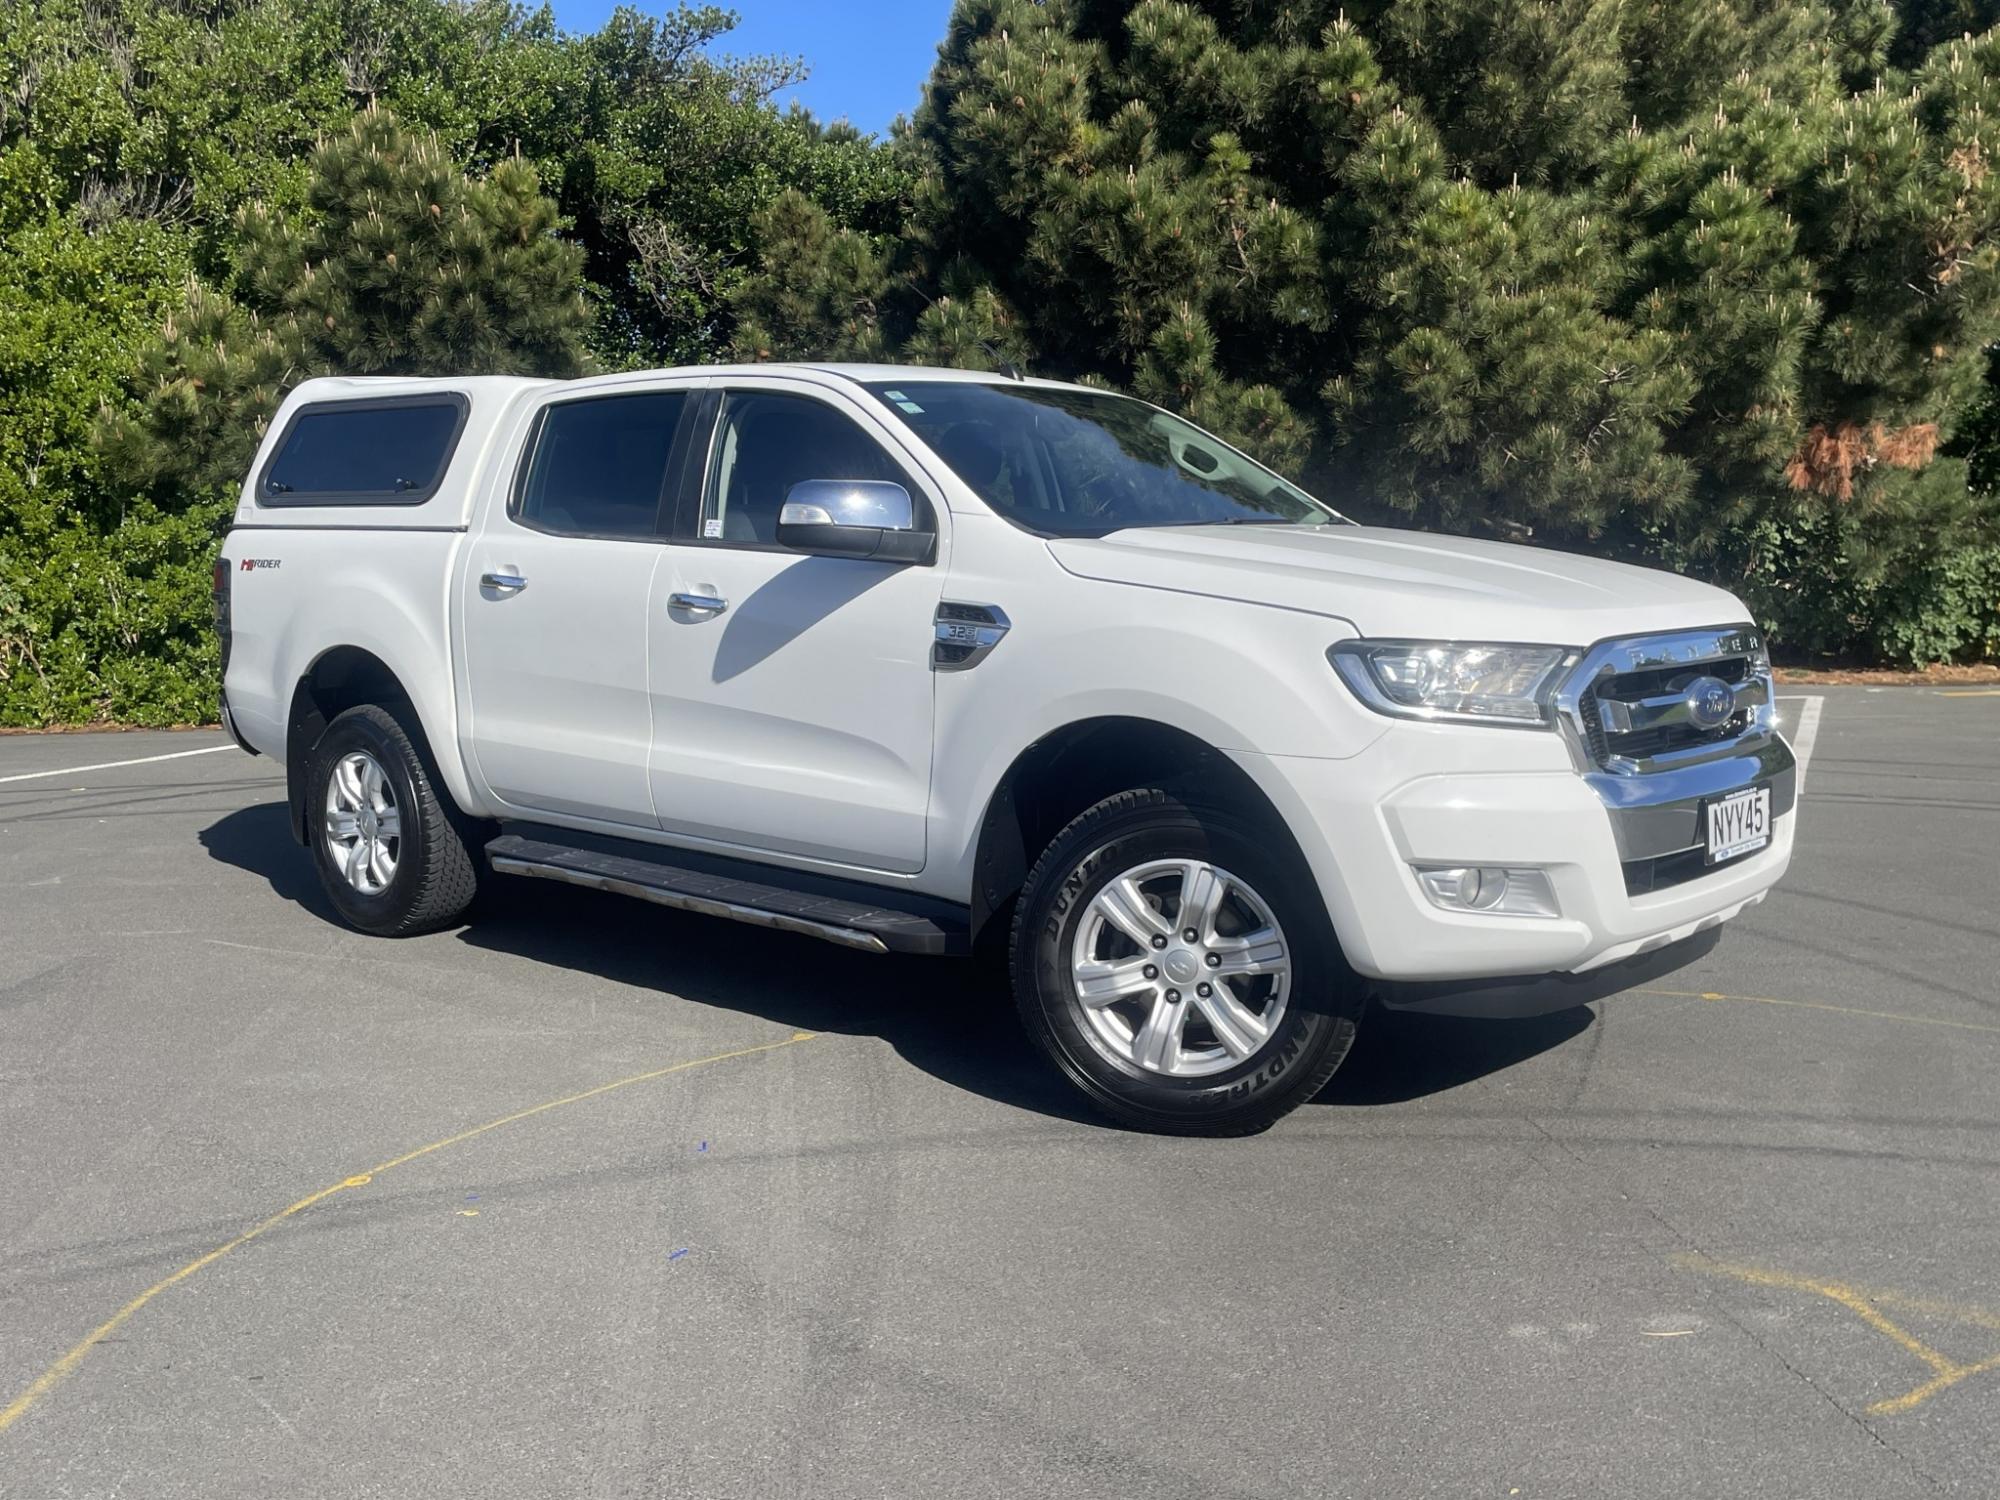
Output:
x=112 y=765
x=1808 y=730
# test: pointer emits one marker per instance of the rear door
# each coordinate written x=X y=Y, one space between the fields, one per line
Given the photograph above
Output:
x=554 y=602
x=792 y=693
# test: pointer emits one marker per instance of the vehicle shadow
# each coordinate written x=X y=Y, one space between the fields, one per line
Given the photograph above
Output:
x=259 y=839
x=954 y=1020
x=785 y=607
x=1400 y=1056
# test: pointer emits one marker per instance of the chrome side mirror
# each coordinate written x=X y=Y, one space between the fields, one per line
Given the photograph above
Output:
x=868 y=518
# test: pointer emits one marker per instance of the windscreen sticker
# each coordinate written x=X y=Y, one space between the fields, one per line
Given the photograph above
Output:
x=711 y=529
x=904 y=402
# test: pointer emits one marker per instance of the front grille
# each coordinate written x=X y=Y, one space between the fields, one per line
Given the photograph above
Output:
x=1633 y=711
x=1593 y=729
x=1635 y=708
x=1645 y=744
x=1653 y=680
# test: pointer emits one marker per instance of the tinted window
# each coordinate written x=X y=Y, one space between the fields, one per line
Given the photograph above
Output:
x=1083 y=463
x=767 y=443
x=364 y=453
x=600 y=466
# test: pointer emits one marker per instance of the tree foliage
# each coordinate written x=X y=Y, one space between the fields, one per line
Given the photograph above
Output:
x=397 y=264
x=102 y=599
x=1709 y=283
x=159 y=208
x=1677 y=280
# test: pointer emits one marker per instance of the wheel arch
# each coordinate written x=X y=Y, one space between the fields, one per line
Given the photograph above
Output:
x=339 y=678
x=1078 y=765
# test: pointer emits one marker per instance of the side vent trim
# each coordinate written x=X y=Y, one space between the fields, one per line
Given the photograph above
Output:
x=965 y=634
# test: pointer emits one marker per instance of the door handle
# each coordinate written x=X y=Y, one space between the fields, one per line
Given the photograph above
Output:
x=701 y=604
x=503 y=583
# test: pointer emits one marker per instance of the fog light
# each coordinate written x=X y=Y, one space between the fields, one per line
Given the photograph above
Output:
x=1490 y=888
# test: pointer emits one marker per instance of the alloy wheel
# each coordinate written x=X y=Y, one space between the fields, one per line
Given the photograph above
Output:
x=364 y=827
x=1179 y=968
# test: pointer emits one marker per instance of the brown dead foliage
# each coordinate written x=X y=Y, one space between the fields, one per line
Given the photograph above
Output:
x=1829 y=458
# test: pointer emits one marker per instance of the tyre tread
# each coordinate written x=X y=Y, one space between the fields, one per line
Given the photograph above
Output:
x=450 y=878
x=1247 y=1119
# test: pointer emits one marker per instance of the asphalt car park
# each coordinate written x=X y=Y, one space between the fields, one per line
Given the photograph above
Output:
x=591 y=1198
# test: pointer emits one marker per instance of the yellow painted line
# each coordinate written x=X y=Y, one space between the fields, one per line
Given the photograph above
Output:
x=1944 y=1381
x=1895 y=1333
x=1844 y=1010
x=67 y=1365
x=1867 y=1305
x=1969 y=692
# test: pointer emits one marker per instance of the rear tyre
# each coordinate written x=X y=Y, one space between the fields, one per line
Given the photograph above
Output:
x=1174 y=961
x=390 y=856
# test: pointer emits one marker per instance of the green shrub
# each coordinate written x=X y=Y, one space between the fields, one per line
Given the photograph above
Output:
x=1911 y=605
x=109 y=626
x=134 y=136
x=1946 y=608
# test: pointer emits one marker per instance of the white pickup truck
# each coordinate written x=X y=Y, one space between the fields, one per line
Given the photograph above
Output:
x=925 y=661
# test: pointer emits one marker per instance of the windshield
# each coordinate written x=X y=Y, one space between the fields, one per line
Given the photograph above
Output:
x=1082 y=463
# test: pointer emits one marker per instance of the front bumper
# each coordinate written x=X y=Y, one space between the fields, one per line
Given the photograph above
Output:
x=1434 y=795
x=1524 y=996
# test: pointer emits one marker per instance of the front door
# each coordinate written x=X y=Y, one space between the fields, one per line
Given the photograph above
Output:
x=791 y=693
x=555 y=597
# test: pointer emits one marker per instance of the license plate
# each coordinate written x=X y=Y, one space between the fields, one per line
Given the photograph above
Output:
x=1739 y=823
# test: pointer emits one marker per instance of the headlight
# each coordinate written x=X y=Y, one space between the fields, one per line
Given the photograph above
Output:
x=1454 y=681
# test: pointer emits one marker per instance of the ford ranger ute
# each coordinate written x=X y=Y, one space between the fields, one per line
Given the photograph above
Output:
x=934 y=662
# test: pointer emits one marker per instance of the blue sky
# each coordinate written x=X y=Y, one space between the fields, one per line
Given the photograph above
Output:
x=869 y=58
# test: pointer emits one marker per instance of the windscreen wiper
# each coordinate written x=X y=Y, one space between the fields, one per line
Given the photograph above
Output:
x=1224 y=521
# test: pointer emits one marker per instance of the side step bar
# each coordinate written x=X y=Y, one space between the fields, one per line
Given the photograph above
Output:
x=837 y=912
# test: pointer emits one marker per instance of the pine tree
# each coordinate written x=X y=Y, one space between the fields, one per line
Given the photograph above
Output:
x=399 y=264
x=1709 y=282
x=1923 y=24
x=818 y=292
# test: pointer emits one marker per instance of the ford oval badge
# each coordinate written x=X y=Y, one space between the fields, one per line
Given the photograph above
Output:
x=1711 y=703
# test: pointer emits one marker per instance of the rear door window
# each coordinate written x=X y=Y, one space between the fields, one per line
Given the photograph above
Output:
x=384 y=452
x=599 y=465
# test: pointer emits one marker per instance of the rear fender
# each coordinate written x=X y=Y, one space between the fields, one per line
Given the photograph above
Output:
x=350 y=615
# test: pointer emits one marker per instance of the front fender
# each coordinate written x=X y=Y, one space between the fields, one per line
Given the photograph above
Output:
x=1236 y=676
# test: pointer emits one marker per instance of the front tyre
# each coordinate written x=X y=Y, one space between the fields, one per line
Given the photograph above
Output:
x=1174 y=961
x=389 y=855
